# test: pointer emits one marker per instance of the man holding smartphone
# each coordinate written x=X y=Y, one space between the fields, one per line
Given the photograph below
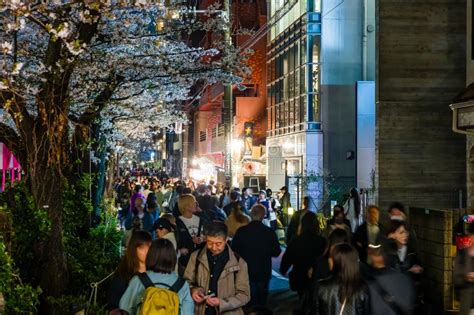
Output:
x=218 y=278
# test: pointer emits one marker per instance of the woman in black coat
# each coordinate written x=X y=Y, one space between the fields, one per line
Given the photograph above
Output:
x=344 y=292
x=302 y=253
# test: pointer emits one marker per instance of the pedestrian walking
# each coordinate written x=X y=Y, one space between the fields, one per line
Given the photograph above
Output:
x=391 y=291
x=257 y=244
x=160 y=266
x=464 y=275
x=285 y=202
x=132 y=263
x=344 y=292
x=295 y=221
x=302 y=252
x=370 y=232
x=353 y=209
x=140 y=219
x=338 y=221
x=262 y=200
x=397 y=211
x=248 y=199
x=217 y=276
x=137 y=194
x=190 y=229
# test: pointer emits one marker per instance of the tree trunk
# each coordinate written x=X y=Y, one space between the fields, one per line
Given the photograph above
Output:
x=47 y=188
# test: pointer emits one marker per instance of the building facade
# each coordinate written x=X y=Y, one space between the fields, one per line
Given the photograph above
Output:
x=246 y=145
x=463 y=107
x=421 y=67
x=317 y=53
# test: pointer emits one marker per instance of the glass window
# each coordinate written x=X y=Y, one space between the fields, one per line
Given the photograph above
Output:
x=269 y=71
x=297 y=82
x=309 y=78
x=296 y=51
x=269 y=118
x=291 y=113
x=297 y=111
x=315 y=100
x=303 y=51
x=291 y=80
x=286 y=88
x=303 y=109
x=303 y=80
x=285 y=63
x=315 y=39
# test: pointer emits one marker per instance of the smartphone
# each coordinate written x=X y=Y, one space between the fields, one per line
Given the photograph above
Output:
x=208 y=296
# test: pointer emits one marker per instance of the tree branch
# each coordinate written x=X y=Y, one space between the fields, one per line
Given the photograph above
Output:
x=93 y=111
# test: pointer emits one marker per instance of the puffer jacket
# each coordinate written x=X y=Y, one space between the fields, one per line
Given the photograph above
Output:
x=325 y=300
x=232 y=287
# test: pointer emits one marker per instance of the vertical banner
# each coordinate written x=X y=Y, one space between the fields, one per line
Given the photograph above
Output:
x=248 y=138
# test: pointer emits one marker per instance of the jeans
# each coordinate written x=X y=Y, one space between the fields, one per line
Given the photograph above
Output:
x=259 y=292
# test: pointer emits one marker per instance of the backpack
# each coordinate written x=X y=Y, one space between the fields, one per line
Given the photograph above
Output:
x=159 y=301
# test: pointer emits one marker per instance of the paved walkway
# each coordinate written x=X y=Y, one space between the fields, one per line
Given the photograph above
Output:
x=281 y=299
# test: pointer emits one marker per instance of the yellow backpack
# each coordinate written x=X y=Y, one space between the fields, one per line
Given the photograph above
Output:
x=159 y=301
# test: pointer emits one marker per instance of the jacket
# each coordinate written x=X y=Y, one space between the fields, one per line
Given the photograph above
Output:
x=387 y=282
x=233 y=287
x=325 y=300
x=257 y=244
x=361 y=240
x=302 y=253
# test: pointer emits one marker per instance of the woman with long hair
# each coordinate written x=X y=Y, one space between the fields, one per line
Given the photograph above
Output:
x=237 y=218
x=160 y=265
x=133 y=262
x=344 y=292
x=353 y=211
x=302 y=253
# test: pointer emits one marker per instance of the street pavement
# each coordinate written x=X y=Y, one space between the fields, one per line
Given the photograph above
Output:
x=281 y=299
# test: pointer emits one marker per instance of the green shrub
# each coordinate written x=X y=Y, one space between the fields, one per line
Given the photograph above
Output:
x=93 y=252
x=19 y=297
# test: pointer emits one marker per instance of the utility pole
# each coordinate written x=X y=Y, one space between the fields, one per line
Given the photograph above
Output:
x=227 y=110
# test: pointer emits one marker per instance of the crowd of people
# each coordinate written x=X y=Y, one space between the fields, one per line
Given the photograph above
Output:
x=206 y=249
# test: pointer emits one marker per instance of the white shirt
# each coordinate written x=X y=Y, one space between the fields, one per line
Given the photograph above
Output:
x=402 y=253
x=192 y=224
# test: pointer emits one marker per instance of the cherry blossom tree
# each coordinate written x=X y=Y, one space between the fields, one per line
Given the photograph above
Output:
x=73 y=69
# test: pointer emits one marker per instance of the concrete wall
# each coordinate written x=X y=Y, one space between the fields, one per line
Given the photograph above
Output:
x=469 y=52
x=341 y=67
x=469 y=80
x=421 y=67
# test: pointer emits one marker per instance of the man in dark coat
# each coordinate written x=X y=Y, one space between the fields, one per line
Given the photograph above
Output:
x=370 y=232
x=257 y=244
